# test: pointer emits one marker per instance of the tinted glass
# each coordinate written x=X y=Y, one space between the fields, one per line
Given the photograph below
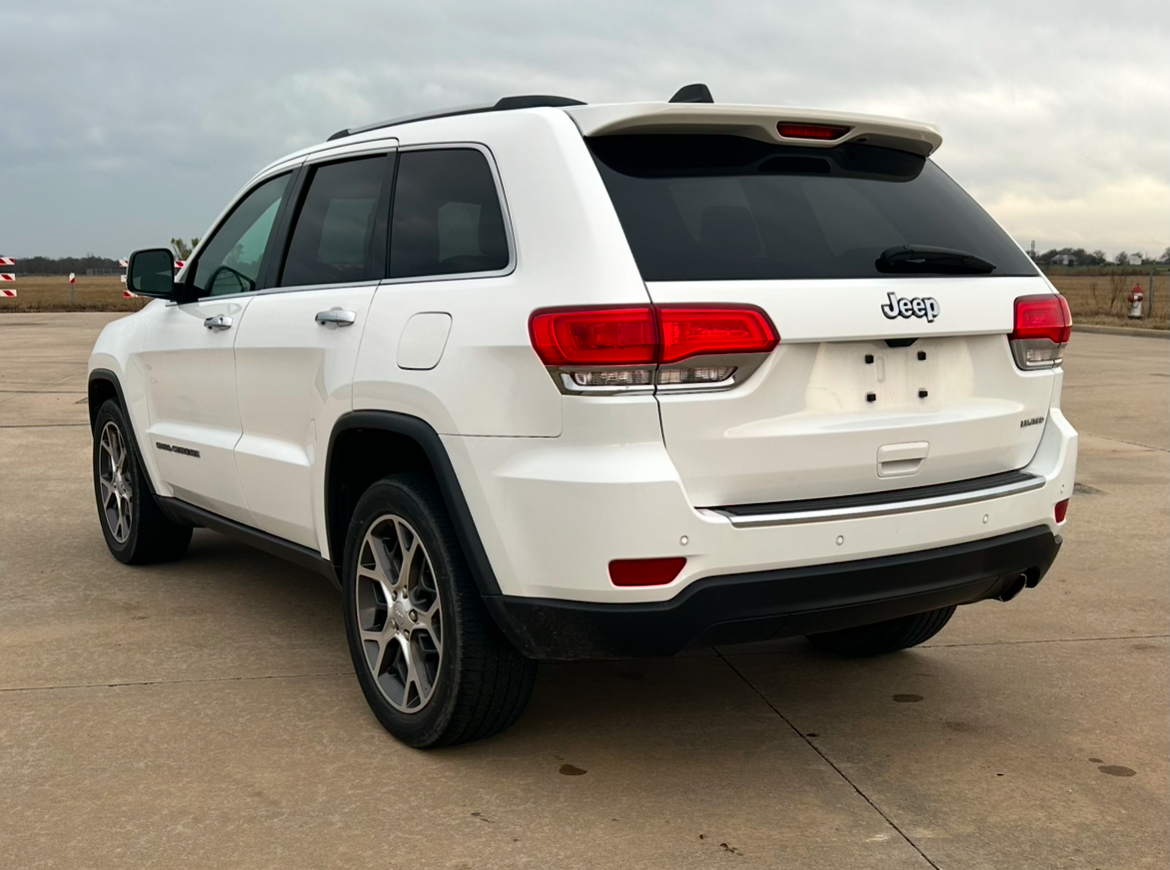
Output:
x=230 y=261
x=698 y=207
x=447 y=218
x=333 y=239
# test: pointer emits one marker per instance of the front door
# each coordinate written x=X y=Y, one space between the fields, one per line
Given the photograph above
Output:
x=296 y=352
x=189 y=359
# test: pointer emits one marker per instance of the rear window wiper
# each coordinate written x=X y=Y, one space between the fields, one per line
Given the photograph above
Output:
x=921 y=259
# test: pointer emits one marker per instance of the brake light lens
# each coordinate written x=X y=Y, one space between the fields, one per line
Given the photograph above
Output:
x=645 y=572
x=823 y=132
x=1043 y=326
x=688 y=332
x=595 y=337
x=1043 y=317
x=648 y=335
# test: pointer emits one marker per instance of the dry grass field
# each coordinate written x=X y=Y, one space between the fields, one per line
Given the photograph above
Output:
x=1098 y=299
x=51 y=293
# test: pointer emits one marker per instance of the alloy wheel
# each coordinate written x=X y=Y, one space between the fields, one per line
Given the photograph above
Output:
x=117 y=496
x=399 y=613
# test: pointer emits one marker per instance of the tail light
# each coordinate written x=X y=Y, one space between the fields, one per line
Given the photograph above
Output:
x=688 y=332
x=623 y=349
x=605 y=336
x=1043 y=326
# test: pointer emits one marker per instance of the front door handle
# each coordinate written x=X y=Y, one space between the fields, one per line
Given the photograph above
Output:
x=218 y=322
x=336 y=317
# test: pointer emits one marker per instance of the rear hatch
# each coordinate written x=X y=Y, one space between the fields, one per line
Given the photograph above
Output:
x=893 y=294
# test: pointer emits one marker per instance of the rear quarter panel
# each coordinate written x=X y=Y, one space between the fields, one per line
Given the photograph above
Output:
x=569 y=249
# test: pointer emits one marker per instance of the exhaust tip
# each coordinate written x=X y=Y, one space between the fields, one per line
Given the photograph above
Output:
x=1014 y=588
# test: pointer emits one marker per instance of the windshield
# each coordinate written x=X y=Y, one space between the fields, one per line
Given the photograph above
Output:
x=713 y=207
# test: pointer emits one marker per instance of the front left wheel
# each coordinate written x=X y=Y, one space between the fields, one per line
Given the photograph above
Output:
x=433 y=666
x=136 y=530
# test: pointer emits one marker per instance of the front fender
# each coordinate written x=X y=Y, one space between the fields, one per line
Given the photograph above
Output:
x=116 y=359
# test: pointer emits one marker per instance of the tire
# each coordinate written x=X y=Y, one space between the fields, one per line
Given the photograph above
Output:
x=432 y=664
x=135 y=528
x=884 y=637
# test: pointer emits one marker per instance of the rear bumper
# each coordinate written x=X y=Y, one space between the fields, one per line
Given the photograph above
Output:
x=552 y=513
x=763 y=605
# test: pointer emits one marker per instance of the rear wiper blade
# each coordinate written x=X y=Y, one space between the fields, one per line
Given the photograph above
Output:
x=918 y=259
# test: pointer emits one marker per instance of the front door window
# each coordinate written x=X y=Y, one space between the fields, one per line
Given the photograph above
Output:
x=230 y=262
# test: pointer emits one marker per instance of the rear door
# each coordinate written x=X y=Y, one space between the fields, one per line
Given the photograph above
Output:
x=189 y=356
x=893 y=368
x=295 y=354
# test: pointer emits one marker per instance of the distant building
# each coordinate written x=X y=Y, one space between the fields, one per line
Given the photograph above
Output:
x=1064 y=260
x=1135 y=259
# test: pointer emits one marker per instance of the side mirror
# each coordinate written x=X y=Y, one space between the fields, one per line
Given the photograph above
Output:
x=152 y=273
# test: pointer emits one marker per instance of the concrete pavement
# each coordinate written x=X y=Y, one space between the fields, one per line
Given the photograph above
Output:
x=204 y=714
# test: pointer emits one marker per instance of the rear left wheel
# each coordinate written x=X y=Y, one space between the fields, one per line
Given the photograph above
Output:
x=433 y=666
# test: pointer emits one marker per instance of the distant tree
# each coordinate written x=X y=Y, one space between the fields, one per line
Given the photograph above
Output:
x=1122 y=258
x=183 y=249
x=1100 y=258
x=1165 y=258
x=65 y=265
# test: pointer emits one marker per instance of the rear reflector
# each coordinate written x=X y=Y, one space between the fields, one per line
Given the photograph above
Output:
x=1061 y=510
x=647 y=334
x=824 y=132
x=645 y=572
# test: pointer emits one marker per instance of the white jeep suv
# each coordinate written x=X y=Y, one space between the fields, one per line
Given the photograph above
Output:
x=547 y=380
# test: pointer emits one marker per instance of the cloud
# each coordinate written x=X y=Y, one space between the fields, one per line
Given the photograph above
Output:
x=128 y=122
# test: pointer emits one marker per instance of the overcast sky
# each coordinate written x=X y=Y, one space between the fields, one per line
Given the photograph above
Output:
x=124 y=123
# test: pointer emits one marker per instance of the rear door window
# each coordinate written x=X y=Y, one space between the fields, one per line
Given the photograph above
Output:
x=334 y=239
x=447 y=218
x=711 y=207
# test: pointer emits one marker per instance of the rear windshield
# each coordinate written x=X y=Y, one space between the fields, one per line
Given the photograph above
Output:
x=711 y=207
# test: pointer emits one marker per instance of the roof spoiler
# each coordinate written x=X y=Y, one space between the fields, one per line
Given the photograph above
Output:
x=812 y=128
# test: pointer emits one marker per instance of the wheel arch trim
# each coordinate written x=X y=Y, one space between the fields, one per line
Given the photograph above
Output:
x=110 y=377
x=423 y=434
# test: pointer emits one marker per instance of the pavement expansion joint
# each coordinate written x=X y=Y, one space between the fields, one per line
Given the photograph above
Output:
x=828 y=761
x=43 y=425
x=163 y=682
x=1123 y=441
x=771 y=652
x=47 y=392
x=1047 y=640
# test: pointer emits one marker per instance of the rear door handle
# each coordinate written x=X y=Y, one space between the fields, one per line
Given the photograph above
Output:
x=218 y=322
x=336 y=317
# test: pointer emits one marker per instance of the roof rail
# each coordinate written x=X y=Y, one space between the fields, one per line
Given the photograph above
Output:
x=524 y=101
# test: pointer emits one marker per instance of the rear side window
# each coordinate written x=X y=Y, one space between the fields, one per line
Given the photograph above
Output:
x=446 y=218
x=709 y=207
x=333 y=240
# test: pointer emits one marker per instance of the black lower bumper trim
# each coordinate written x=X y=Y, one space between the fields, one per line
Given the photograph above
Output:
x=762 y=605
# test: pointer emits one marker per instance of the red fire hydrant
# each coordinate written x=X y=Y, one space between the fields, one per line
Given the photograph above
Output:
x=1134 y=299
